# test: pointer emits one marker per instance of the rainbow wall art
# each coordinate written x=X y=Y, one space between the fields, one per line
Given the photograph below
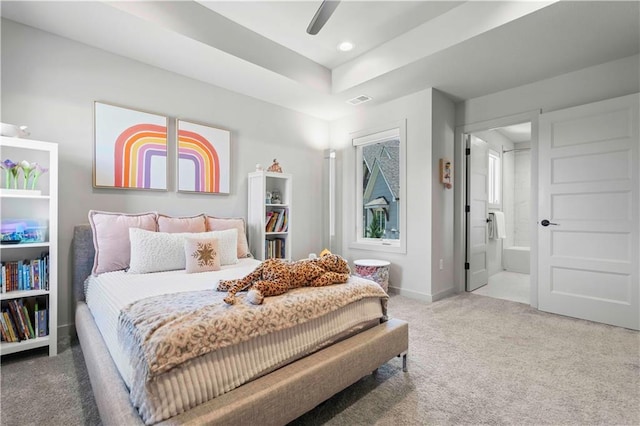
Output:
x=203 y=158
x=130 y=148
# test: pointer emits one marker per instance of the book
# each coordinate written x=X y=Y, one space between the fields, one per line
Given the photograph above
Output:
x=15 y=318
x=4 y=330
x=36 y=274
x=279 y=222
x=272 y=222
x=13 y=332
x=32 y=334
x=20 y=276
x=42 y=327
x=23 y=320
x=36 y=320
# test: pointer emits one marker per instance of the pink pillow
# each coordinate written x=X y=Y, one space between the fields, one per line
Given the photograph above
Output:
x=201 y=255
x=111 y=237
x=181 y=224
x=222 y=224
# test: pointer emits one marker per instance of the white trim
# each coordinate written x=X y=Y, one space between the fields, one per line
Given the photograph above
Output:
x=429 y=298
x=411 y=294
x=372 y=135
x=459 y=194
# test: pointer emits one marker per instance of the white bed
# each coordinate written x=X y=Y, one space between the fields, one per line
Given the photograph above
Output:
x=280 y=364
x=220 y=371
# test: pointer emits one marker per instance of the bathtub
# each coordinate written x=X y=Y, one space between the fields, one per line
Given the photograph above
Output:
x=516 y=259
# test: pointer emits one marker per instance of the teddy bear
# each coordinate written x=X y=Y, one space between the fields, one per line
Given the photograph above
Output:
x=277 y=276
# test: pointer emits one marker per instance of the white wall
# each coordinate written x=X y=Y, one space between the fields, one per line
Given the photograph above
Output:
x=50 y=83
x=429 y=117
x=498 y=143
x=604 y=81
x=410 y=272
x=522 y=196
x=442 y=137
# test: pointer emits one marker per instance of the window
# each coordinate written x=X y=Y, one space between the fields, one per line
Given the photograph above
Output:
x=495 y=178
x=379 y=189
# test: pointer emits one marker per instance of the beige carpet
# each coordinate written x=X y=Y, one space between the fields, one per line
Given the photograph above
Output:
x=472 y=360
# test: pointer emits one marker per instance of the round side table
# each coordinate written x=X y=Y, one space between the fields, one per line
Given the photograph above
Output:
x=375 y=270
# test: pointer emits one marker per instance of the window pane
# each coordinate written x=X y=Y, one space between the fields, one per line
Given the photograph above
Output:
x=495 y=183
x=381 y=189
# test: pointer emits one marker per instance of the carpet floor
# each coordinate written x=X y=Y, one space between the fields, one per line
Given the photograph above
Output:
x=472 y=360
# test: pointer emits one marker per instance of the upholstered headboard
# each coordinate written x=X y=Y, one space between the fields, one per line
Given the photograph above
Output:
x=82 y=256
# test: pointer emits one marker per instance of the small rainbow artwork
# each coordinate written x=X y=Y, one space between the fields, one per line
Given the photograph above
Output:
x=203 y=158
x=130 y=148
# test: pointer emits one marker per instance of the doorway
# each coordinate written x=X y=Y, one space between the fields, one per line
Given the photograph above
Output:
x=498 y=224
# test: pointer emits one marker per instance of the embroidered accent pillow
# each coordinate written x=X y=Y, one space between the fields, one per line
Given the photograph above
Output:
x=111 y=237
x=221 y=224
x=182 y=224
x=162 y=251
x=201 y=255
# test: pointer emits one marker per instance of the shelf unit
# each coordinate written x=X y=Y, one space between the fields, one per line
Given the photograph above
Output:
x=259 y=184
x=40 y=205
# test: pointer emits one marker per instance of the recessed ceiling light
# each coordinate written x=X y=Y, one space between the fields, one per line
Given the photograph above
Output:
x=345 y=46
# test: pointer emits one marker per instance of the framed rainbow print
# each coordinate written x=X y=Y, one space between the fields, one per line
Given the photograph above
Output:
x=203 y=158
x=130 y=149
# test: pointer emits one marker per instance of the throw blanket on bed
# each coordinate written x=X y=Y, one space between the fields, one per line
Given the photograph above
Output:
x=164 y=331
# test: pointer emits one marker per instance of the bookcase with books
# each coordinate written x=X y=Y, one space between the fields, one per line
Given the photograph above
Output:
x=270 y=214
x=28 y=253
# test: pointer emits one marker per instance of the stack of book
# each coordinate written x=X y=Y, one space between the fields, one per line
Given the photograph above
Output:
x=275 y=248
x=277 y=220
x=27 y=274
x=16 y=323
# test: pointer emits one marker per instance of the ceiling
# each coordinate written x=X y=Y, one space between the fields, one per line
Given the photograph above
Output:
x=516 y=133
x=365 y=24
x=261 y=49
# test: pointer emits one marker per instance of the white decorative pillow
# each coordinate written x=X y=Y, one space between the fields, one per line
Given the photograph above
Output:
x=162 y=251
x=201 y=255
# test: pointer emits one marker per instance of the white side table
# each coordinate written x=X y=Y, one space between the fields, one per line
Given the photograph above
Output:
x=375 y=270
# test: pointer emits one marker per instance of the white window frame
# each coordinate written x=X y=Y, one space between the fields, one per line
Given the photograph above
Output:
x=494 y=177
x=366 y=137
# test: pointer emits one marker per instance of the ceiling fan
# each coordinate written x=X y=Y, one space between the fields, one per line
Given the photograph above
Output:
x=322 y=16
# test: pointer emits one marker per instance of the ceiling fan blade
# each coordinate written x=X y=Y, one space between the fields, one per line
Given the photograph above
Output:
x=322 y=16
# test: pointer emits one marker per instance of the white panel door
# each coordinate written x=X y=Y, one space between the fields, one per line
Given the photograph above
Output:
x=477 y=182
x=588 y=255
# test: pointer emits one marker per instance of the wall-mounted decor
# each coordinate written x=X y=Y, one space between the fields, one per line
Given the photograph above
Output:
x=204 y=154
x=446 y=173
x=130 y=149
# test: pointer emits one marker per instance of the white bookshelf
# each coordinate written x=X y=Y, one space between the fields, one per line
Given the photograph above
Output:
x=39 y=204
x=261 y=183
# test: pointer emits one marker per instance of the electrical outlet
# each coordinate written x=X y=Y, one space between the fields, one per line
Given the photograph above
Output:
x=441 y=264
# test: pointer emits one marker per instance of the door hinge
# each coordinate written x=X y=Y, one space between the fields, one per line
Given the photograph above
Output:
x=467 y=209
x=468 y=151
x=466 y=265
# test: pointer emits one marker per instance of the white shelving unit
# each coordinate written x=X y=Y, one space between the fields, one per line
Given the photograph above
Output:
x=41 y=205
x=261 y=183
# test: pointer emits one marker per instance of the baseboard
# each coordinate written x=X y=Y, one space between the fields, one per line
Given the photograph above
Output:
x=411 y=294
x=423 y=296
x=67 y=330
x=443 y=294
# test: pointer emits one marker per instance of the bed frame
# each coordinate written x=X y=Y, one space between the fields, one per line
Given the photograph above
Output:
x=273 y=399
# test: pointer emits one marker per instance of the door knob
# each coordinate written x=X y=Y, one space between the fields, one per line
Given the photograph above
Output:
x=545 y=222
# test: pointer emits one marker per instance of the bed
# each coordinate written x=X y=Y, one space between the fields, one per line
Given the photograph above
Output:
x=265 y=398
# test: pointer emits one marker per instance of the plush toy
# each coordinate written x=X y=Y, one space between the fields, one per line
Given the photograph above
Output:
x=277 y=276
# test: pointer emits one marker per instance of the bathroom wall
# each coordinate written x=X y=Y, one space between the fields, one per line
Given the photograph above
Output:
x=522 y=195
x=498 y=143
